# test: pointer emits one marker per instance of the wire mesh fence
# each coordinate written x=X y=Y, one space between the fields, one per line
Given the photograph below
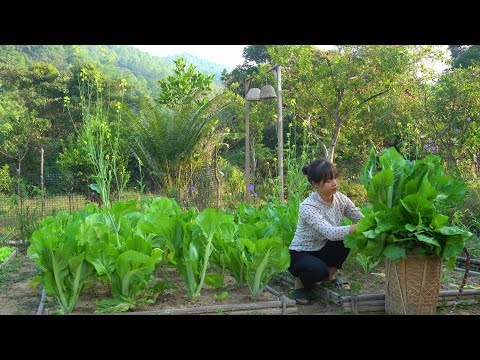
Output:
x=27 y=202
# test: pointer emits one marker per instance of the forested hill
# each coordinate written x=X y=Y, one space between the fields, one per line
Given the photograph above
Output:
x=202 y=65
x=142 y=69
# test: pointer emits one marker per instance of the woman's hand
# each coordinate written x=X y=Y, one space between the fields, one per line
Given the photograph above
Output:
x=353 y=228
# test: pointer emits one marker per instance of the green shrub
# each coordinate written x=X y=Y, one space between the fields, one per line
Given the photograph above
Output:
x=355 y=191
x=5 y=179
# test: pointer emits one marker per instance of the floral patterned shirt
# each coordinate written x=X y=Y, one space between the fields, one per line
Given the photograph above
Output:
x=319 y=221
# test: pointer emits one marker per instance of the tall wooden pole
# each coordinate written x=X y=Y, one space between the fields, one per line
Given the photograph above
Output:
x=278 y=75
x=217 y=178
x=247 y=141
x=41 y=182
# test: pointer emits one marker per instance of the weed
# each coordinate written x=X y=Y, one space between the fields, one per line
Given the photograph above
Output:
x=222 y=296
x=446 y=278
x=442 y=304
x=356 y=287
x=366 y=263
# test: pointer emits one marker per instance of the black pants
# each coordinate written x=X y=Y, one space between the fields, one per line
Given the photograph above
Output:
x=312 y=266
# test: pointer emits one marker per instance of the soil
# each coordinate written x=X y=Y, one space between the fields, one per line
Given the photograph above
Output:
x=176 y=297
x=19 y=297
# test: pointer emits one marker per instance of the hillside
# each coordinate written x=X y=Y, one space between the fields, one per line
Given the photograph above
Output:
x=141 y=69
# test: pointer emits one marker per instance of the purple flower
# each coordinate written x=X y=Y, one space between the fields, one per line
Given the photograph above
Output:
x=250 y=188
x=430 y=141
x=457 y=130
x=208 y=172
x=192 y=188
x=18 y=170
x=93 y=193
x=425 y=146
x=255 y=194
x=469 y=119
x=434 y=148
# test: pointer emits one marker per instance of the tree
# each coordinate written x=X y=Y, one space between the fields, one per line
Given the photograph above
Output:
x=449 y=123
x=188 y=87
x=19 y=127
x=333 y=87
x=464 y=55
x=166 y=139
x=256 y=54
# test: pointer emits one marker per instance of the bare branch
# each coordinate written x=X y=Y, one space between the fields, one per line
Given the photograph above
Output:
x=366 y=100
x=309 y=125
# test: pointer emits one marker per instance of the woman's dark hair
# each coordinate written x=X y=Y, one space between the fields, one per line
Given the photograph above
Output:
x=320 y=171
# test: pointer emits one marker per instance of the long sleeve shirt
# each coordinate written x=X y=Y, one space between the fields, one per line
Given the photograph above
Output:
x=320 y=221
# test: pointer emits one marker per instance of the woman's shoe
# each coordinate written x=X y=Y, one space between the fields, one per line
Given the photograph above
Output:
x=300 y=296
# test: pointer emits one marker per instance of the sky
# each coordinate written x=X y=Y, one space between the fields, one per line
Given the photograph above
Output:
x=229 y=55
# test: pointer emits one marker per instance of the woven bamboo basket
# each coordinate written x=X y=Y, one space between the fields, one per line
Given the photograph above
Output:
x=412 y=285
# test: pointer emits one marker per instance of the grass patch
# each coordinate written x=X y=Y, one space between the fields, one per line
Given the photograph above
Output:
x=9 y=273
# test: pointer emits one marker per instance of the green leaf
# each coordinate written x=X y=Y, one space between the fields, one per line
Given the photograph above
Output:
x=453 y=245
x=221 y=296
x=95 y=187
x=366 y=173
x=133 y=269
x=374 y=247
x=368 y=222
x=394 y=252
x=370 y=234
x=103 y=257
x=451 y=230
x=114 y=306
x=427 y=239
x=378 y=190
x=156 y=255
x=410 y=227
x=214 y=280
x=438 y=221
x=354 y=241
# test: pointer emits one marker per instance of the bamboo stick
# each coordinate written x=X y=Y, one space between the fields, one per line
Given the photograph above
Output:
x=472 y=261
x=363 y=297
x=367 y=305
x=373 y=308
x=444 y=293
x=470 y=272
x=332 y=295
x=455 y=292
x=274 y=311
x=381 y=308
x=287 y=281
x=215 y=308
x=274 y=292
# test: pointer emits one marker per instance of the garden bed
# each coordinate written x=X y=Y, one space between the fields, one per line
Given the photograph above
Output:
x=18 y=297
x=174 y=301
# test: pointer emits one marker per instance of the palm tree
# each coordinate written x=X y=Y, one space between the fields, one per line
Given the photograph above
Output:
x=166 y=139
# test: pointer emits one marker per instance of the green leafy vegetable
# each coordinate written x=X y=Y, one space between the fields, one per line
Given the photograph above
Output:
x=410 y=200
